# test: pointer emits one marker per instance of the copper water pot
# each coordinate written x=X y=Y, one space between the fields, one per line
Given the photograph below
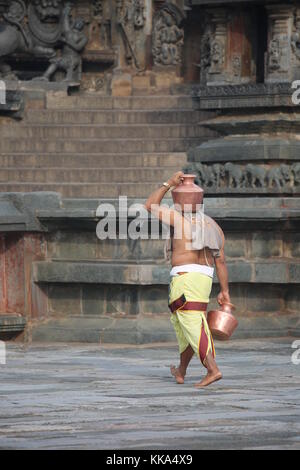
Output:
x=188 y=194
x=222 y=322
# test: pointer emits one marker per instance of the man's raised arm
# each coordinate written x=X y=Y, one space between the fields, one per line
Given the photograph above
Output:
x=163 y=213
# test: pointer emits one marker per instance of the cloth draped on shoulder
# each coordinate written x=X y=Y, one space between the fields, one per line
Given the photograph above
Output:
x=205 y=234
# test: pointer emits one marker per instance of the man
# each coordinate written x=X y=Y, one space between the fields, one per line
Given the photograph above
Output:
x=193 y=260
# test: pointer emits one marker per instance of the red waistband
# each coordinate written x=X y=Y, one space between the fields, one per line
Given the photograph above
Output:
x=183 y=305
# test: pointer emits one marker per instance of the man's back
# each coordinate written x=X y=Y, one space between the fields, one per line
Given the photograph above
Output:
x=183 y=251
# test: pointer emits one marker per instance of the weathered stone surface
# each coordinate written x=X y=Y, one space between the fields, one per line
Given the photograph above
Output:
x=265 y=299
x=12 y=323
x=93 y=397
x=275 y=272
x=266 y=245
x=65 y=299
x=236 y=245
x=94 y=299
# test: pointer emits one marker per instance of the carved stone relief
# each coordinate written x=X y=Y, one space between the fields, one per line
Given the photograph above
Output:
x=248 y=178
x=131 y=19
x=278 y=64
x=218 y=45
x=38 y=30
x=168 y=35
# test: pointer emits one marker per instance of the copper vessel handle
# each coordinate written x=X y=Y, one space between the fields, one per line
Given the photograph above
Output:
x=230 y=305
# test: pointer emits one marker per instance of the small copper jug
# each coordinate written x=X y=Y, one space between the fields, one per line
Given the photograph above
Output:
x=188 y=194
x=222 y=322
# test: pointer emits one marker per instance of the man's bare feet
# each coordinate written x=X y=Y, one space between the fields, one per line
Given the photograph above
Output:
x=179 y=376
x=209 y=379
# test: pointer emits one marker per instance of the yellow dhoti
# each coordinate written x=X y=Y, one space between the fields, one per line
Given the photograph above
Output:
x=188 y=298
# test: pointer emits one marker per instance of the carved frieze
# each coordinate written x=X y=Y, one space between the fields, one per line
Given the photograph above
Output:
x=168 y=35
x=248 y=178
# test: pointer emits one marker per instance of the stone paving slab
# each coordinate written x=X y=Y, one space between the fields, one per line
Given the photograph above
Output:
x=121 y=397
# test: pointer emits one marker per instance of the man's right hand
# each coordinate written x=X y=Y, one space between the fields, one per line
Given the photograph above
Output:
x=176 y=179
x=224 y=298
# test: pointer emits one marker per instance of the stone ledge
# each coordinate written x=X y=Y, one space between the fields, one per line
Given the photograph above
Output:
x=12 y=323
x=150 y=274
x=141 y=331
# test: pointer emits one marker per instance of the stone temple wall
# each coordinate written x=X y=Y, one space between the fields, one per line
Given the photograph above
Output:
x=113 y=105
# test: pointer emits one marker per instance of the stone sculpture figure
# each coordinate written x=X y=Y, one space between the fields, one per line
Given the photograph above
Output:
x=74 y=41
x=295 y=42
x=236 y=175
x=217 y=57
x=205 y=52
x=16 y=36
x=256 y=175
x=168 y=36
x=131 y=19
x=274 y=55
x=296 y=173
x=279 y=176
x=219 y=172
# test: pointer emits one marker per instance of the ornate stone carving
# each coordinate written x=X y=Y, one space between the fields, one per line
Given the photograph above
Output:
x=280 y=22
x=249 y=178
x=248 y=95
x=45 y=20
x=218 y=45
x=99 y=29
x=74 y=41
x=168 y=35
x=17 y=36
x=205 y=51
x=38 y=30
x=131 y=19
x=295 y=43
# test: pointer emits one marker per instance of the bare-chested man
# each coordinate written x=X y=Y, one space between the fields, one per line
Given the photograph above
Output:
x=193 y=264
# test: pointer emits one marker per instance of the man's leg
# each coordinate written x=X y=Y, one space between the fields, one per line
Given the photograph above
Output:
x=196 y=331
x=213 y=372
x=185 y=358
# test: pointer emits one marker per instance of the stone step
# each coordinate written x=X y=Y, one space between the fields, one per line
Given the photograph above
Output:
x=97 y=146
x=90 y=101
x=83 y=175
x=85 y=190
x=158 y=131
x=160 y=160
x=93 y=160
x=113 y=117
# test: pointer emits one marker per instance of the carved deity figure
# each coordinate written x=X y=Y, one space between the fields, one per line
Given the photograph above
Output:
x=205 y=52
x=274 y=55
x=74 y=41
x=295 y=42
x=17 y=36
x=217 y=56
x=131 y=20
x=168 y=36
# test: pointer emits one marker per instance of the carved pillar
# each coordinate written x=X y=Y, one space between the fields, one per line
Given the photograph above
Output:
x=295 y=45
x=279 y=55
x=216 y=74
x=242 y=47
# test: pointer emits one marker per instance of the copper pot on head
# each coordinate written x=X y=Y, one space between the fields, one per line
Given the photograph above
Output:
x=222 y=322
x=188 y=195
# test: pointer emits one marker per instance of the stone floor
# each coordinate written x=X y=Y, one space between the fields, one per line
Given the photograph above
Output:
x=114 y=397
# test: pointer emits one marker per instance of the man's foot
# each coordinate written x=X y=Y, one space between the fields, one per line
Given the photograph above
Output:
x=177 y=374
x=209 y=379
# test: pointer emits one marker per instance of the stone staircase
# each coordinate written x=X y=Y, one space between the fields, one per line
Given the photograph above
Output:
x=93 y=146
